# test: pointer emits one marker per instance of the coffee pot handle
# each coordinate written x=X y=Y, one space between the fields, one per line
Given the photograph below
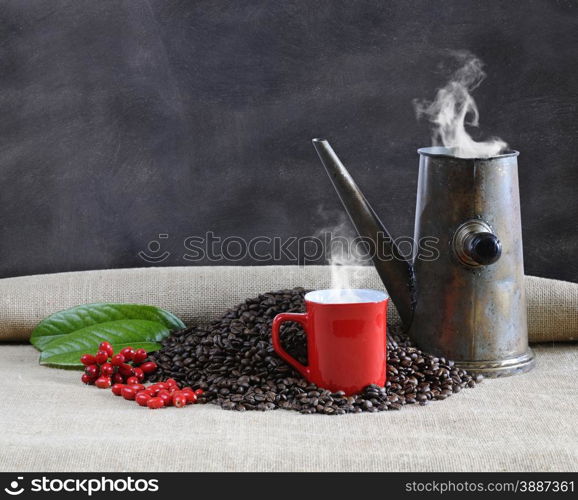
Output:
x=300 y=318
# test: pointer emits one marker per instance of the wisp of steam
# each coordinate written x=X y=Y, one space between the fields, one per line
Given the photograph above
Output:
x=346 y=273
x=346 y=261
x=454 y=107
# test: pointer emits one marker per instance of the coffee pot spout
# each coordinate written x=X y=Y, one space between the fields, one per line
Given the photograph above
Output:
x=395 y=272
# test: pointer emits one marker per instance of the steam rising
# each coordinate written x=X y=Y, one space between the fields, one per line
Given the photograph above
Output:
x=454 y=108
x=346 y=275
x=345 y=258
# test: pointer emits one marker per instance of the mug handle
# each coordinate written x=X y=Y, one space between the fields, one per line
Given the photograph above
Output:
x=300 y=318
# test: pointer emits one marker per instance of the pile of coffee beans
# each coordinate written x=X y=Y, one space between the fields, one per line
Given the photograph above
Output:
x=233 y=362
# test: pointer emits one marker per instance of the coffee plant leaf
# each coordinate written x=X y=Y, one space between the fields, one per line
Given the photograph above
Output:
x=65 y=351
x=71 y=320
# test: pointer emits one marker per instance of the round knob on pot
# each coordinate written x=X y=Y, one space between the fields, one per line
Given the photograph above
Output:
x=483 y=248
x=475 y=244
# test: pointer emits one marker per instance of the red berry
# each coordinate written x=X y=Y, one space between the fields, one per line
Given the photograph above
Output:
x=128 y=393
x=191 y=396
x=103 y=382
x=138 y=373
x=179 y=399
x=139 y=356
x=198 y=392
x=132 y=380
x=117 y=378
x=137 y=387
x=165 y=396
x=106 y=347
x=101 y=357
x=117 y=389
x=117 y=360
x=159 y=386
x=87 y=379
x=107 y=369
x=88 y=359
x=128 y=353
x=171 y=382
x=155 y=403
x=148 y=367
x=125 y=370
x=92 y=371
x=187 y=389
x=142 y=398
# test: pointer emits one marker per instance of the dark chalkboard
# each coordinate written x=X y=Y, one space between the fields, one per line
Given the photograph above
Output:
x=125 y=120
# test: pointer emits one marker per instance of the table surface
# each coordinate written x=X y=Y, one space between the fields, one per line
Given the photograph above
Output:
x=52 y=422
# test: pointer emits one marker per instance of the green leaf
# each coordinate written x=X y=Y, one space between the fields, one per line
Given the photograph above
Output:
x=66 y=350
x=76 y=318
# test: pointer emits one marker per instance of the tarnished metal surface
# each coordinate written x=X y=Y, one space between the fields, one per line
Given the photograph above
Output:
x=475 y=315
x=467 y=305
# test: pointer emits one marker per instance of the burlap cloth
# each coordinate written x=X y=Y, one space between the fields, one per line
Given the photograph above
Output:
x=51 y=422
x=200 y=294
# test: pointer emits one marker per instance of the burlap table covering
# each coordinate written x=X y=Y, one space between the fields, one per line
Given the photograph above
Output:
x=200 y=294
x=51 y=422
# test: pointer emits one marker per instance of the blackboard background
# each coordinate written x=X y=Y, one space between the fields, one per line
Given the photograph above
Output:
x=120 y=120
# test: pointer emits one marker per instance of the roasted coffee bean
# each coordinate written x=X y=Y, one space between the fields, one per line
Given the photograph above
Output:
x=233 y=361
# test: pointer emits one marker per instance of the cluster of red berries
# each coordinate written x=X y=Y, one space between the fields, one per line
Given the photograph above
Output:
x=106 y=368
x=158 y=395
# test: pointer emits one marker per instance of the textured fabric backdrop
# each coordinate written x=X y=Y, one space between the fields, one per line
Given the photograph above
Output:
x=200 y=294
x=52 y=422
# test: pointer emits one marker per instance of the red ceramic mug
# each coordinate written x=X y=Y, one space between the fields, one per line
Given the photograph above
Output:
x=346 y=338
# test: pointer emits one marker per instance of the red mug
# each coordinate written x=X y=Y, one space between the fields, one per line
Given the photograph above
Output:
x=346 y=339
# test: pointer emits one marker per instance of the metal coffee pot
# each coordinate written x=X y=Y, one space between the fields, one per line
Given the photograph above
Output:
x=467 y=301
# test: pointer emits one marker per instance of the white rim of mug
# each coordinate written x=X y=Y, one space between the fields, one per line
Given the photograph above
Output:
x=382 y=296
